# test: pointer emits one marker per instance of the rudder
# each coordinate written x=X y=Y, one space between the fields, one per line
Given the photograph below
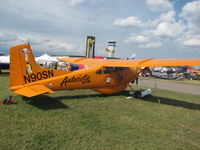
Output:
x=24 y=69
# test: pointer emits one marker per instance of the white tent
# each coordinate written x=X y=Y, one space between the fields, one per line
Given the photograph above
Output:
x=45 y=59
x=5 y=59
x=4 y=62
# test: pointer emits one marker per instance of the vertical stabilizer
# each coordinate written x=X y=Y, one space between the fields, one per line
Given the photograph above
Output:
x=24 y=69
x=16 y=71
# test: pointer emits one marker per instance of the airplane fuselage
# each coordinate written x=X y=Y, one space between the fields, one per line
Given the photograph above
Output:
x=106 y=80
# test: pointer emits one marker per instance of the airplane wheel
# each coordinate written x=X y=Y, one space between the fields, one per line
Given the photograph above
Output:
x=138 y=94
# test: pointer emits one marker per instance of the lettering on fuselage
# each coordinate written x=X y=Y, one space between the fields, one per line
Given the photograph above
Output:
x=82 y=79
x=38 y=76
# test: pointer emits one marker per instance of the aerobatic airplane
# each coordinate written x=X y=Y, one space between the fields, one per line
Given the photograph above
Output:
x=106 y=76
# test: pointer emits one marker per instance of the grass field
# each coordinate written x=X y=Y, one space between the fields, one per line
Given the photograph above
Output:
x=84 y=119
x=185 y=81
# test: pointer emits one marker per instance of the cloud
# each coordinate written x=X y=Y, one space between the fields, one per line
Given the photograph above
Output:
x=191 y=13
x=164 y=17
x=169 y=29
x=168 y=17
x=43 y=43
x=137 y=39
x=192 y=42
x=159 y=5
x=129 y=21
x=38 y=42
x=61 y=45
x=75 y=2
x=152 y=45
x=57 y=15
x=61 y=26
x=6 y=37
x=145 y=40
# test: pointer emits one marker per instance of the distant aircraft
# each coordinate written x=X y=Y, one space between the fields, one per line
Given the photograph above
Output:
x=106 y=76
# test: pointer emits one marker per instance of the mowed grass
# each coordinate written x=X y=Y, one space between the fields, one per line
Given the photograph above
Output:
x=84 y=119
x=184 y=81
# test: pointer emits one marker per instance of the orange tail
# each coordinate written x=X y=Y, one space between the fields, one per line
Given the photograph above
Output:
x=23 y=68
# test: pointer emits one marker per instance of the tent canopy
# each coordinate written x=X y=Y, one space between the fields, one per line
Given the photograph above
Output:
x=5 y=59
x=45 y=58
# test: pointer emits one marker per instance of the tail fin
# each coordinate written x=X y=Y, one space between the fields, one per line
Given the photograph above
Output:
x=23 y=68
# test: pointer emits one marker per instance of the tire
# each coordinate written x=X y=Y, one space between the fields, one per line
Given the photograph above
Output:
x=138 y=94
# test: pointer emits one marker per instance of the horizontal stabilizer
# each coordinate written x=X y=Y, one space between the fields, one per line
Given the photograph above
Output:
x=33 y=90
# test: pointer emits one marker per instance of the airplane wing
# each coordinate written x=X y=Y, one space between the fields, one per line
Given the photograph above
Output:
x=33 y=90
x=151 y=62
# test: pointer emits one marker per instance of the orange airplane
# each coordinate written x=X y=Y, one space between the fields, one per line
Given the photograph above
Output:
x=106 y=76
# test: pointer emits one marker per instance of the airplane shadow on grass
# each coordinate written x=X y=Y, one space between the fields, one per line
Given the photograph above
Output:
x=76 y=97
x=46 y=102
x=153 y=99
x=172 y=102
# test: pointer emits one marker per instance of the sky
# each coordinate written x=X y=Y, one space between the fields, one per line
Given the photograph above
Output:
x=147 y=28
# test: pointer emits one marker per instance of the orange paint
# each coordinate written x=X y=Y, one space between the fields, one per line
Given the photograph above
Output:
x=106 y=76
